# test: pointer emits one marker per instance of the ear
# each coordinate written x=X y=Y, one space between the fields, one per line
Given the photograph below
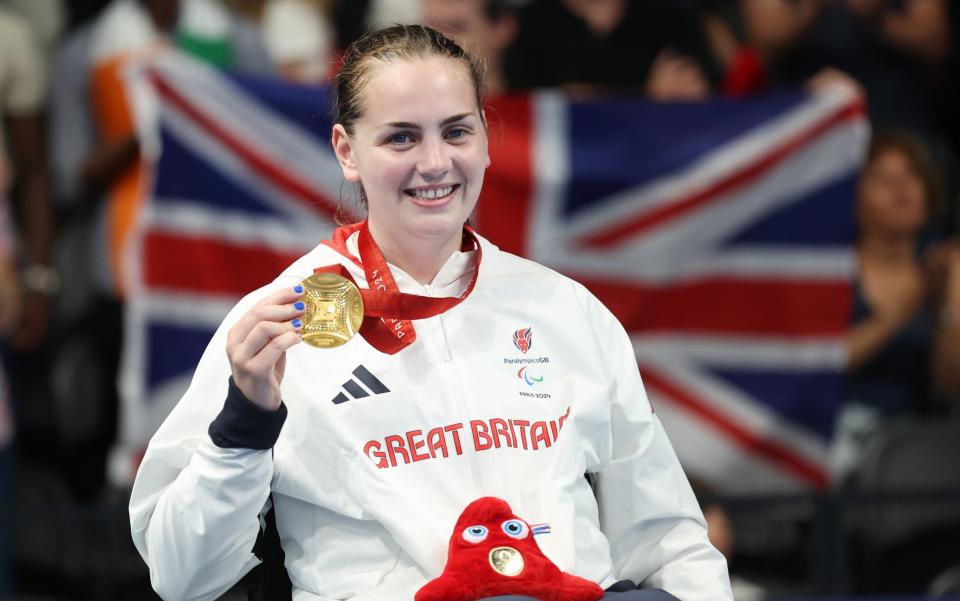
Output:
x=343 y=148
x=486 y=138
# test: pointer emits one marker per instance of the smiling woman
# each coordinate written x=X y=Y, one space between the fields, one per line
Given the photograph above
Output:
x=370 y=451
x=420 y=139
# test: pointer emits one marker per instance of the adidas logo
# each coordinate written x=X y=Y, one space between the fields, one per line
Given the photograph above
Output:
x=356 y=391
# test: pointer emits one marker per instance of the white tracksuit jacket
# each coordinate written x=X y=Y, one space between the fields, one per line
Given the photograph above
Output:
x=380 y=453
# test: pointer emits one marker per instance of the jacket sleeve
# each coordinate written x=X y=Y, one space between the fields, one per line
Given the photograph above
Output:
x=195 y=506
x=655 y=527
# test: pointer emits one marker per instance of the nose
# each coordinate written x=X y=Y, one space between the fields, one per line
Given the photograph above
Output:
x=434 y=159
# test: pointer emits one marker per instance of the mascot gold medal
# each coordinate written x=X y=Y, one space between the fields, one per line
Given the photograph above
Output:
x=506 y=561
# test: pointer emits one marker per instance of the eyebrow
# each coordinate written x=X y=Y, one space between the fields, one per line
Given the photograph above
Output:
x=447 y=121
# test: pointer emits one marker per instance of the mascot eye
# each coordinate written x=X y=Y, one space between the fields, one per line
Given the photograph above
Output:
x=515 y=528
x=475 y=534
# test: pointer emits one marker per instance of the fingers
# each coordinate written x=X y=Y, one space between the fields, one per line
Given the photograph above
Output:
x=829 y=80
x=278 y=306
x=257 y=375
x=257 y=342
x=266 y=342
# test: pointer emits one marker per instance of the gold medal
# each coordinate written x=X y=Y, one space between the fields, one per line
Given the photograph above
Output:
x=334 y=310
x=506 y=560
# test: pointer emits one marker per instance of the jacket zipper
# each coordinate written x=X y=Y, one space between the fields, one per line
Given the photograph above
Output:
x=461 y=405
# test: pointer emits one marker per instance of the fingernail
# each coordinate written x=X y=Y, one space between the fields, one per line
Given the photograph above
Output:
x=298 y=305
x=296 y=323
x=298 y=288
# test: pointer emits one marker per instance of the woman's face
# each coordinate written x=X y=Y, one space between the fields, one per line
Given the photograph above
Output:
x=893 y=198
x=419 y=149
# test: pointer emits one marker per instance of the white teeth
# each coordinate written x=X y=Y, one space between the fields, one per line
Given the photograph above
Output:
x=432 y=194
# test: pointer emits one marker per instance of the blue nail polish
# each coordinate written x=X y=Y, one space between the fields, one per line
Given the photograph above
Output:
x=298 y=305
x=296 y=323
x=298 y=288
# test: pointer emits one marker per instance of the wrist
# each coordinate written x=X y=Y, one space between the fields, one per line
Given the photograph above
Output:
x=37 y=277
x=244 y=424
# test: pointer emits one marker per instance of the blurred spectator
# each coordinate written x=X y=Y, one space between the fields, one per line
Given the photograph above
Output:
x=9 y=308
x=904 y=348
x=23 y=169
x=299 y=38
x=97 y=163
x=892 y=47
x=486 y=28
x=127 y=29
x=383 y=13
x=946 y=95
x=748 y=37
x=657 y=47
x=46 y=19
x=23 y=302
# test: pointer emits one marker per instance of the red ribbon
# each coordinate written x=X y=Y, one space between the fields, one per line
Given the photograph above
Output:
x=387 y=312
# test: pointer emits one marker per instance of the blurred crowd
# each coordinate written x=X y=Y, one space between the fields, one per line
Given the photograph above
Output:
x=70 y=168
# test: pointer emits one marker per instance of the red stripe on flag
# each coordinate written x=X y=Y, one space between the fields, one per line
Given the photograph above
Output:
x=736 y=179
x=786 y=458
x=767 y=307
x=503 y=212
x=256 y=161
x=205 y=265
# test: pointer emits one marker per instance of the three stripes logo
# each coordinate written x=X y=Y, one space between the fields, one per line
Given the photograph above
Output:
x=354 y=390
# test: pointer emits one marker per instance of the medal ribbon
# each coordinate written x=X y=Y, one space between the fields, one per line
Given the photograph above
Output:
x=387 y=312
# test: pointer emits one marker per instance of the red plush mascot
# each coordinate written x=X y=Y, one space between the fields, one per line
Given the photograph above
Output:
x=492 y=552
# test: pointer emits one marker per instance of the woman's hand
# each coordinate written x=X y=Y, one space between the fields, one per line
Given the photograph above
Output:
x=257 y=345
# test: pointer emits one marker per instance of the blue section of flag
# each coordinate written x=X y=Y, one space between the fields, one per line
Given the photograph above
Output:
x=305 y=107
x=183 y=177
x=172 y=352
x=808 y=399
x=620 y=144
x=821 y=218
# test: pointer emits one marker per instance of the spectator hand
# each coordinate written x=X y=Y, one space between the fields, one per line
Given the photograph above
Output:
x=674 y=77
x=4 y=176
x=9 y=300
x=901 y=302
x=943 y=268
x=829 y=80
x=257 y=345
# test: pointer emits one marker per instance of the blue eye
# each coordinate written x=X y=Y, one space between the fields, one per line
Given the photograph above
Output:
x=475 y=534
x=401 y=139
x=515 y=528
x=457 y=133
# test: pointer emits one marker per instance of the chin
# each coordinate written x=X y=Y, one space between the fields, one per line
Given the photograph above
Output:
x=435 y=227
x=434 y=224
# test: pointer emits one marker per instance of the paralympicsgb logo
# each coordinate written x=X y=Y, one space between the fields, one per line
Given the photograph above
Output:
x=523 y=339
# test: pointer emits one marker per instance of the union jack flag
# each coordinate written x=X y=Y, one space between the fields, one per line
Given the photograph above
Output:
x=719 y=233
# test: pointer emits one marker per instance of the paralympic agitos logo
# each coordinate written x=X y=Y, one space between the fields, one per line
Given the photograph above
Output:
x=528 y=377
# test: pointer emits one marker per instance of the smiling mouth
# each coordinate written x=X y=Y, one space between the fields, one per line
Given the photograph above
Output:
x=431 y=194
